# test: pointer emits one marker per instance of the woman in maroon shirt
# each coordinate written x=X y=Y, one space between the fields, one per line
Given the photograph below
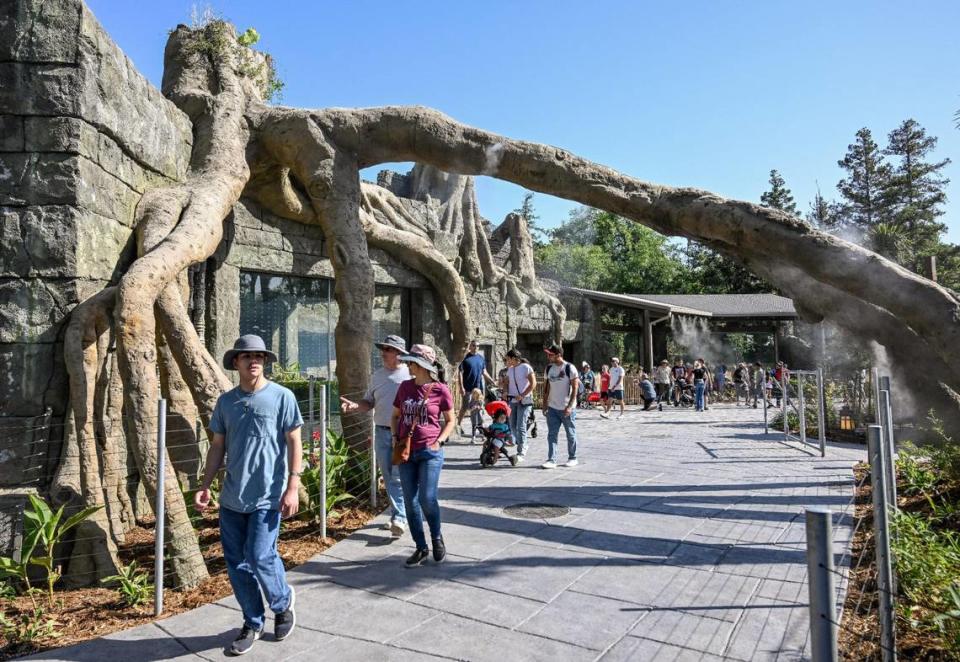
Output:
x=419 y=404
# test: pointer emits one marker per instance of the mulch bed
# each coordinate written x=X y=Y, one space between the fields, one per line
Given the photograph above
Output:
x=88 y=613
x=859 y=631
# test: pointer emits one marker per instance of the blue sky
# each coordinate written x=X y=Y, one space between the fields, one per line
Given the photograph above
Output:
x=705 y=94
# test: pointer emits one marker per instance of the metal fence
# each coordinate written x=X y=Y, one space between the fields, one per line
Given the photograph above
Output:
x=339 y=459
x=873 y=565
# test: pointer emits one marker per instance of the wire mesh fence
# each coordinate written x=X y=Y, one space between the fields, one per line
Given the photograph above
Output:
x=339 y=487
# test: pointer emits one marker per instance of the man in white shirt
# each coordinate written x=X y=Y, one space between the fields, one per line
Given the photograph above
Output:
x=617 y=375
x=379 y=397
x=521 y=380
x=561 y=382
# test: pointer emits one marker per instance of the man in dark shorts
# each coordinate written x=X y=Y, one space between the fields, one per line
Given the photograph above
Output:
x=470 y=375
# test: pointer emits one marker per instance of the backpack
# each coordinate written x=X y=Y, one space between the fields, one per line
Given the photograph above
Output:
x=567 y=372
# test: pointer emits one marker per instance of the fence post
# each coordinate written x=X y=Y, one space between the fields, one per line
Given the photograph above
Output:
x=784 y=384
x=886 y=420
x=323 y=460
x=763 y=394
x=802 y=408
x=881 y=523
x=310 y=419
x=875 y=395
x=158 y=508
x=820 y=583
x=373 y=464
x=822 y=413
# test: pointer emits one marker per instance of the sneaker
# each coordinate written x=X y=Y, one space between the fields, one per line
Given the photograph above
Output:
x=397 y=528
x=659 y=407
x=514 y=460
x=572 y=462
x=533 y=432
x=387 y=525
x=417 y=558
x=439 y=550
x=284 y=622
x=549 y=464
x=460 y=431
x=619 y=416
x=244 y=641
x=520 y=458
x=604 y=415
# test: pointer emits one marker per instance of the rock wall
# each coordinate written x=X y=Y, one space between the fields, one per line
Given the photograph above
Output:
x=82 y=135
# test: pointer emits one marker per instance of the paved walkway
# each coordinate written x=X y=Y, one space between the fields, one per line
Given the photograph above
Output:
x=684 y=541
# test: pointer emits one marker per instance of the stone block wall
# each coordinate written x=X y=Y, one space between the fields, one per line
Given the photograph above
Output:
x=82 y=135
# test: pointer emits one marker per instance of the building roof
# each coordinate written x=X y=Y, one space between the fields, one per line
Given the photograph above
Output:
x=720 y=306
x=729 y=305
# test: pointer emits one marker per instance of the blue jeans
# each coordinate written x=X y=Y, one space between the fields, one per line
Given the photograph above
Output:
x=250 y=549
x=420 y=477
x=555 y=418
x=391 y=475
x=699 y=386
x=518 y=424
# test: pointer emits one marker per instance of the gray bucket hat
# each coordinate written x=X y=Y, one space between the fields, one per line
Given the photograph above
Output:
x=393 y=342
x=247 y=343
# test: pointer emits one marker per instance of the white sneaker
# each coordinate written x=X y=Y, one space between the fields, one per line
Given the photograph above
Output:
x=397 y=529
x=549 y=464
x=571 y=463
x=520 y=458
x=603 y=415
x=619 y=416
x=387 y=525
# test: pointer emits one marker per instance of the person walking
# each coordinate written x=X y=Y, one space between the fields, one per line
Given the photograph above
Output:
x=699 y=385
x=379 y=397
x=471 y=374
x=521 y=381
x=617 y=377
x=417 y=409
x=256 y=427
x=587 y=378
x=560 y=405
x=661 y=382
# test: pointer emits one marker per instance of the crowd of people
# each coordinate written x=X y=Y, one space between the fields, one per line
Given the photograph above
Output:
x=256 y=437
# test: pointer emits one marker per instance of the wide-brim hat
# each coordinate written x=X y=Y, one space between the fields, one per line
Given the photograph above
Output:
x=423 y=356
x=393 y=342
x=248 y=343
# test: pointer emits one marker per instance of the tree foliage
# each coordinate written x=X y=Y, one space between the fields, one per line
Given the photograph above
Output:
x=779 y=196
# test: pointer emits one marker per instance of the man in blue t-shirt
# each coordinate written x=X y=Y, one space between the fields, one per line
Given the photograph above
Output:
x=257 y=427
x=470 y=375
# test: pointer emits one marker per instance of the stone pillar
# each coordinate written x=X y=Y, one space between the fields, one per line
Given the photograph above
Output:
x=647 y=341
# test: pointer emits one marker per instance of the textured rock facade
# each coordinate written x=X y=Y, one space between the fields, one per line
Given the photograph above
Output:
x=82 y=135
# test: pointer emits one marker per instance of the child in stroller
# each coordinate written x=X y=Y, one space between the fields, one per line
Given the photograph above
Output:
x=494 y=395
x=498 y=440
x=682 y=393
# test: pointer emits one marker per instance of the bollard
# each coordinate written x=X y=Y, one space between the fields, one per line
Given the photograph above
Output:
x=802 y=408
x=158 y=508
x=821 y=413
x=820 y=584
x=878 y=476
x=373 y=464
x=323 y=460
x=886 y=421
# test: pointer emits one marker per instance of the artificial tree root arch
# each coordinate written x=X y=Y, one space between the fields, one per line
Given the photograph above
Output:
x=305 y=164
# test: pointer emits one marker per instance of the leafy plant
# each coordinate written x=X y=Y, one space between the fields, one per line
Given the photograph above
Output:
x=28 y=627
x=43 y=530
x=249 y=37
x=916 y=476
x=338 y=462
x=133 y=585
x=7 y=591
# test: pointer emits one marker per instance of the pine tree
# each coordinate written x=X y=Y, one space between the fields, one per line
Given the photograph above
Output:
x=915 y=191
x=824 y=214
x=779 y=196
x=864 y=187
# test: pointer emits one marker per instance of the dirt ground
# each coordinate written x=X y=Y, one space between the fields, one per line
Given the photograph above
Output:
x=88 y=613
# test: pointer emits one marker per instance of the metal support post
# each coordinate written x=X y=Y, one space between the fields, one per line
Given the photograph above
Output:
x=886 y=420
x=878 y=476
x=158 y=509
x=784 y=383
x=823 y=628
x=323 y=460
x=763 y=394
x=875 y=394
x=310 y=420
x=821 y=413
x=802 y=409
x=373 y=464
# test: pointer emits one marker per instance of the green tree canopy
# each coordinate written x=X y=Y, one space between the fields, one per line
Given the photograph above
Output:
x=779 y=196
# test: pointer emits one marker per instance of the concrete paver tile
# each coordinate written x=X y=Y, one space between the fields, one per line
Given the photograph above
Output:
x=584 y=620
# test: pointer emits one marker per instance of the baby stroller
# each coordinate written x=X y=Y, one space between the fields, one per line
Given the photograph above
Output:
x=495 y=444
x=684 y=394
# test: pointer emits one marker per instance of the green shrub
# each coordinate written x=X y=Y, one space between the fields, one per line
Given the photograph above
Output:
x=28 y=627
x=915 y=474
x=339 y=473
x=133 y=585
